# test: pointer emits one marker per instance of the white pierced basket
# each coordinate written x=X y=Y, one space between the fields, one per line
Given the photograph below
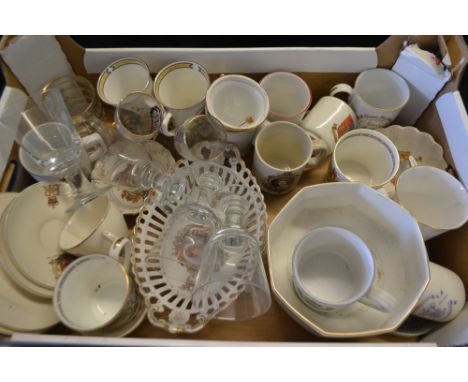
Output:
x=169 y=305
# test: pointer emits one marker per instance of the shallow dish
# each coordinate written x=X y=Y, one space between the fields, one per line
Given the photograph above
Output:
x=6 y=262
x=127 y=327
x=31 y=228
x=389 y=231
x=421 y=146
x=19 y=311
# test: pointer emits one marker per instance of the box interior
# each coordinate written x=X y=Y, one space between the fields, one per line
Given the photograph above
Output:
x=449 y=249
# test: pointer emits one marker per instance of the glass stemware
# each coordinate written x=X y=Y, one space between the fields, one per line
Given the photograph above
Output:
x=232 y=267
x=201 y=137
x=51 y=141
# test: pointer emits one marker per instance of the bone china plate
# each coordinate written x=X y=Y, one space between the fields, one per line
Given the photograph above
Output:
x=18 y=310
x=32 y=226
x=5 y=261
x=389 y=231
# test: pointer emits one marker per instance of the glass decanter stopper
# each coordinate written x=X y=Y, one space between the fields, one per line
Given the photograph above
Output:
x=231 y=271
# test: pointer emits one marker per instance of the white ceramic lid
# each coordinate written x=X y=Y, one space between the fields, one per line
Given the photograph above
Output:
x=32 y=227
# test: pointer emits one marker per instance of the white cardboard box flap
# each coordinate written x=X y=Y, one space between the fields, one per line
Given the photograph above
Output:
x=454 y=120
x=242 y=60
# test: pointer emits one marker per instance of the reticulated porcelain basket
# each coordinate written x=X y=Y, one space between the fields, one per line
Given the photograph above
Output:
x=169 y=306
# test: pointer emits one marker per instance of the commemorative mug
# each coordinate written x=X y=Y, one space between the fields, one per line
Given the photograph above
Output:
x=377 y=98
x=123 y=77
x=333 y=268
x=436 y=199
x=241 y=105
x=444 y=297
x=282 y=152
x=138 y=117
x=181 y=88
x=327 y=121
x=364 y=156
x=96 y=227
x=289 y=95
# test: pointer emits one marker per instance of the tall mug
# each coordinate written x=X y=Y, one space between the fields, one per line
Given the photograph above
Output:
x=377 y=98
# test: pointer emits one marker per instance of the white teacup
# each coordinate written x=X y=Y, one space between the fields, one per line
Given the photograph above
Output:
x=282 y=152
x=377 y=98
x=94 y=292
x=444 y=297
x=364 y=156
x=436 y=199
x=241 y=105
x=327 y=121
x=181 y=88
x=96 y=227
x=333 y=268
x=123 y=77
x=289 y=96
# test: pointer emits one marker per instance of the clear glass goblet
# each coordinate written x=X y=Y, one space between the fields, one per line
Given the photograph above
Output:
x=52 y=142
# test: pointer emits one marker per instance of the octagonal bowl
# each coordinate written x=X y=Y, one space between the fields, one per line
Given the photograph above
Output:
x=392 y=235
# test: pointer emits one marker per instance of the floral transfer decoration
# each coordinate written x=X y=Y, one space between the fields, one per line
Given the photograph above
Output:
x=52 y=191
x=437 y=306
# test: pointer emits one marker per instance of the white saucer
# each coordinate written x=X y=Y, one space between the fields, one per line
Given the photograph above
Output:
x=19 y=311
x=7 y=264
x=388 y=230
x=126 y=328
x=128 y=202
x=32 y=227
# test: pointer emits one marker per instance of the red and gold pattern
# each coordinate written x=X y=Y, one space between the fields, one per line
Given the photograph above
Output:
x=52 y=191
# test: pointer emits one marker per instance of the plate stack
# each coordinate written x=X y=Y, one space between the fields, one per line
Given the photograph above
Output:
x=30 y=258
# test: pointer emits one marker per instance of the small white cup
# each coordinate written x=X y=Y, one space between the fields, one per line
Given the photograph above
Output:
x=241 y=105
x=444 y=297
x=282 y=152
x=289 y=96
x=333 y=268
x=123 y=77
x=364 y=156
x=181 y=88
x=327 y=121
x=94 y=292
x=96 y=227
x=377 y=98
x=436 y=199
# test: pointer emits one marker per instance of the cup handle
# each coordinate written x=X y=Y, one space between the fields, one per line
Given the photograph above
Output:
x=412 y=161
x=165 y=126
x=379 y=299
x=90 y=142
x=120 y=249
x=319 y=152
x=341 y=88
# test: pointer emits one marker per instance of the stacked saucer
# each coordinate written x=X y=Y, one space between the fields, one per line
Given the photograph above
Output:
x=30 y=259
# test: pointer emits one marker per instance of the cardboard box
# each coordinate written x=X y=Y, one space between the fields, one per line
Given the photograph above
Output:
x=321 y=68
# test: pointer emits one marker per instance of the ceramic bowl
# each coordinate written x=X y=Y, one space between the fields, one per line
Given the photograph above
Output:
x=411 y=141
x=390 y=233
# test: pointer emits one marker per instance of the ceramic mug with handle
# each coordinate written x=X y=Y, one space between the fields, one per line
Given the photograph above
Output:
x=327 y=121
x=332 y=268
x=283 y=151
x=377 y=98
